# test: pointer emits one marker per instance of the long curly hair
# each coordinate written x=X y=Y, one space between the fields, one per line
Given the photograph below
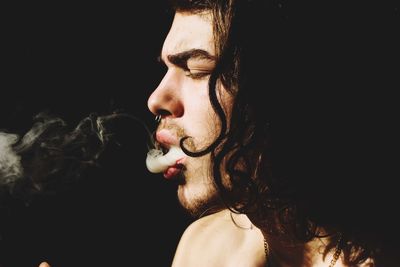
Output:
x=289 y=157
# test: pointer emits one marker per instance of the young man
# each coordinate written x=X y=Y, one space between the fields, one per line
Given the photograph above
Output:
x=182 y=100
x=250 y=144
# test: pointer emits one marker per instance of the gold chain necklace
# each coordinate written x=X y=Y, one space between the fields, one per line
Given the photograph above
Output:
x=336 y=254
x=338 y=251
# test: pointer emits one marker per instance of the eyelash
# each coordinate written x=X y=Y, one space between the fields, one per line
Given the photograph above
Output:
x=196 y=76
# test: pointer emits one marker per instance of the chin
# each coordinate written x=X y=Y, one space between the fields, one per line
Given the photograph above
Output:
x=196 y=202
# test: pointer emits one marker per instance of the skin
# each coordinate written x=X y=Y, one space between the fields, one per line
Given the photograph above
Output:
x=182 y=100
x=221 y=243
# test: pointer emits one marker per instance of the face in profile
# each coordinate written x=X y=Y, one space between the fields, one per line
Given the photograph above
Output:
x=182 y=98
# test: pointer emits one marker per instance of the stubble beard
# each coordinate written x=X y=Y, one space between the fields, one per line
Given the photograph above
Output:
x=197 y=198
x=199 y=202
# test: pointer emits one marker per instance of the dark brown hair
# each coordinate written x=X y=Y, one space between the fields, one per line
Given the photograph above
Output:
x=288 y=156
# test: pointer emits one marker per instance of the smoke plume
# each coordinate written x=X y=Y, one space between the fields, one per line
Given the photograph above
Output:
x=52 y=154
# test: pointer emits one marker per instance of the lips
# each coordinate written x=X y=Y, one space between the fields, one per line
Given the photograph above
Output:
x=167 y=139
x=172 y=171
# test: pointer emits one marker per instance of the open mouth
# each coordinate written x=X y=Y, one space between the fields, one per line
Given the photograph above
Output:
x=167 y=157
x=173 y=171
x=168 y=161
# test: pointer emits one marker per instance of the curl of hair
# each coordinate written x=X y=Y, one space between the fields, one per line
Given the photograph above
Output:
x=267 y=150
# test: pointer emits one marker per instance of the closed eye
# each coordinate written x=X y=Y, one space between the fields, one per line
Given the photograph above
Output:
x=197 y=74
x=197 y=64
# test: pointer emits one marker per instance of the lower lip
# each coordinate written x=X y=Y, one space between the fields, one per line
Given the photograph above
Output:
x=172 y=172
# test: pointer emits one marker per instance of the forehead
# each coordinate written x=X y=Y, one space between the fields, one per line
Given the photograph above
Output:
x=189 y=31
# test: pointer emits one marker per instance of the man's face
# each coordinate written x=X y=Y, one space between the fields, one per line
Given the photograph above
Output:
x=182 y=99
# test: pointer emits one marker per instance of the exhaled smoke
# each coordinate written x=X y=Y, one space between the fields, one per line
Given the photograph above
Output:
x=51 y=153
x=10 y=162
x=157 y=161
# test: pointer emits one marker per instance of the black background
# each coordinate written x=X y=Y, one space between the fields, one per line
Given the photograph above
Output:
x=72 y=59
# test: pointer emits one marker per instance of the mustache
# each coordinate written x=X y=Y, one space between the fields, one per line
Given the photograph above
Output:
x=52 y=154
x=176 y=130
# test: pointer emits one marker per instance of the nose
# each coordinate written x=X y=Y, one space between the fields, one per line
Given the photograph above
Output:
x=166 y=100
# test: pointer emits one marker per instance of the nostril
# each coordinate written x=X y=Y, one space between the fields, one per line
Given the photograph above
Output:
x=163 y=113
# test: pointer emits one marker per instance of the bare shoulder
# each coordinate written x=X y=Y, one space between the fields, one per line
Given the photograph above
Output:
x=215 y=240
x=199 y=232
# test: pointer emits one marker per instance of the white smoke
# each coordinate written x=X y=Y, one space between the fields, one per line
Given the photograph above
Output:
x=52 y=155
x=10 y=161
x=157 y=162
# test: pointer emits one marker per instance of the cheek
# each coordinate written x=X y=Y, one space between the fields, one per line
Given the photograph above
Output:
x=204 y=124
x=201 y=122
x=197 y=103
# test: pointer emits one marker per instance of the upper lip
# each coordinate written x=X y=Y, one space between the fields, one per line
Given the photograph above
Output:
x=166 y=138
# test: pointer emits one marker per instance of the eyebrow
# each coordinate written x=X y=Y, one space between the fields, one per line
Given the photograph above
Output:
x=181 y=59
